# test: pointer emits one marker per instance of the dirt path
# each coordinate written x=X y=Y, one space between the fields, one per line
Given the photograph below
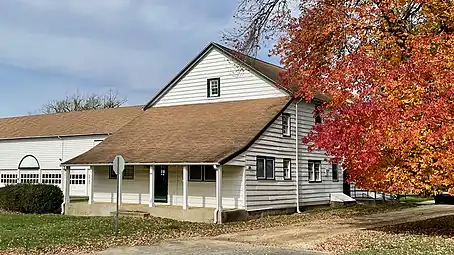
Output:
x=307 y=235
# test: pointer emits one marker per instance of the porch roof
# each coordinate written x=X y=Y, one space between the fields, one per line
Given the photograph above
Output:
x=198 y=133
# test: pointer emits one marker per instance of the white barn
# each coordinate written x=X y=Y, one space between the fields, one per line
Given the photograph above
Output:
x=33 y=147
x=221 y=135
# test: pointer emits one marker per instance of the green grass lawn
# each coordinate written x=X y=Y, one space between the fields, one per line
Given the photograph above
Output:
x=33 y=233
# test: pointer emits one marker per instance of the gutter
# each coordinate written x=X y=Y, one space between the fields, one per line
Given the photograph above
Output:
x=297 y=158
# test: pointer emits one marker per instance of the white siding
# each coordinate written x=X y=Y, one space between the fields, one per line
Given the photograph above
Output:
x=133 y=191
x=314 y=193
x=50 y=153
x=236 y=83
x=280 y=193
x=200 y=194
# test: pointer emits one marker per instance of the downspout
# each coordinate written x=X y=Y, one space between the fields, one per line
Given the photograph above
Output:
x=217 y=210
x=296 y=158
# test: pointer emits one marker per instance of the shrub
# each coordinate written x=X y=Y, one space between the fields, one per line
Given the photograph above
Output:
x=31 y=198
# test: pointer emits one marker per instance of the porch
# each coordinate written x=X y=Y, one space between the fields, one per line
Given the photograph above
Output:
x=181 y=192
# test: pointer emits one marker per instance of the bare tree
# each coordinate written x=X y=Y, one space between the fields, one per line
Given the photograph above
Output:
x=258 y=21
x=77 y=102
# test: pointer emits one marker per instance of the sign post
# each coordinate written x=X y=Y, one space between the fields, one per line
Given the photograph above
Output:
x=118 y=167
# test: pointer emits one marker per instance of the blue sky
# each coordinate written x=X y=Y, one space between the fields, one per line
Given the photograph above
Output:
x=53 y=48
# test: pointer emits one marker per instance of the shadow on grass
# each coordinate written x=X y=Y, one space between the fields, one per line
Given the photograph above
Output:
x=441 y=226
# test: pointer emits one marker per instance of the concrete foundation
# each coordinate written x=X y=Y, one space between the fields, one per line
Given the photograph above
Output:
x=193 y=214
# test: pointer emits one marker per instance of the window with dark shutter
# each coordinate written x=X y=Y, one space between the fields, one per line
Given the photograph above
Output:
x=214 y=87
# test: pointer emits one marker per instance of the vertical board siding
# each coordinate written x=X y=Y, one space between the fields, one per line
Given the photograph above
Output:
x=201 y=194
x=236 y=83
x=278 y=193
x=314 y=193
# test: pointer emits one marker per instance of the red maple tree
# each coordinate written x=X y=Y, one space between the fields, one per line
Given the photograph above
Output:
x=389 y=67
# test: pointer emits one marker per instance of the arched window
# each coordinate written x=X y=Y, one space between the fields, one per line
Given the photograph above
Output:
x=29 y=162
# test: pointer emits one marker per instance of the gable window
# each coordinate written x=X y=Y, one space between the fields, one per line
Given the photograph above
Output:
x=286 y=124
x=214 y=87
x=265 y=168
x=128 y=173
x=318 y=117
x=315 y=174
x=335 y=172
x=202 y=173
x=287 y=169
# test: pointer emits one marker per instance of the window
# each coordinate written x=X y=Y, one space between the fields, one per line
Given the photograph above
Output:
x=8 y=178
x=335 y=172
x=287 y=169
x=202 y=173
x=128 y=173
x=77 y=179
x=315 y=174
x=286 y=124
x=195 y=173
x=51 y=178
x=29 y=178
x=317 y=117
x=265 y=168
x=214 y=87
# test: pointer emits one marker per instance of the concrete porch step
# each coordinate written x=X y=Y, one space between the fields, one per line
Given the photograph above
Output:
x=130 y=213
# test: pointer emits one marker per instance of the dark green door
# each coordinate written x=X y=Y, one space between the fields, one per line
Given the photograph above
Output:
x=161 y=184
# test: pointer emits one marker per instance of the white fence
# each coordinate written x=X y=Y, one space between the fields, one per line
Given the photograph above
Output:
x=78 y=178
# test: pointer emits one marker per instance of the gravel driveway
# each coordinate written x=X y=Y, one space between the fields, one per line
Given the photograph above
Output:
x=199 y=247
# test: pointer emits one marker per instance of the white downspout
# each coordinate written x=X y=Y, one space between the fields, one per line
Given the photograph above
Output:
x=296 y=158
x=218 y=210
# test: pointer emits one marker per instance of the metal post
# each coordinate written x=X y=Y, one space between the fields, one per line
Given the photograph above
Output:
x=118 y=205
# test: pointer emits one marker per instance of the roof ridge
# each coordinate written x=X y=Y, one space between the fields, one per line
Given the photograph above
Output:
x=254 y=58
x=72 y=112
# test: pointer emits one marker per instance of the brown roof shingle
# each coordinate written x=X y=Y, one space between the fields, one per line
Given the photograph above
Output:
x=211 y=132
x=104 y=121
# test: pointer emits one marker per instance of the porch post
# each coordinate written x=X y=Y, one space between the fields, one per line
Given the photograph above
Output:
x=218 y=210
x=91 y=184
x=65 y=174
x=152 y=186
x=185 y=187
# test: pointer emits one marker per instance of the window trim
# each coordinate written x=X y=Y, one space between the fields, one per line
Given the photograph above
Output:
x=114 y=177
x=337 y=172
x=313 y=162
x=209 y=95
x=289 y=125
x=290 y=168
x=265 y=159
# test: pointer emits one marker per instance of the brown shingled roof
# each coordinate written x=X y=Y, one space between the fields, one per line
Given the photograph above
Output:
x=104 y=121
x=210 y=133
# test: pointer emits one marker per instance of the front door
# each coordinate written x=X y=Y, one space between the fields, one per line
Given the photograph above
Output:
x=161 y=184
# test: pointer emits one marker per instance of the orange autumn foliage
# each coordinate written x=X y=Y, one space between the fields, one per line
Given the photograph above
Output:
x=389 y=67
